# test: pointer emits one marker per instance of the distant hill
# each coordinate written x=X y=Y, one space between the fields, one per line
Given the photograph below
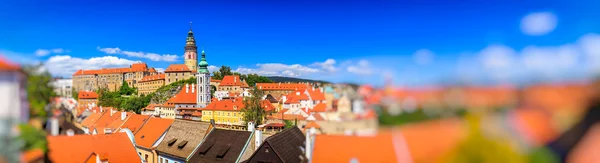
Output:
x=282 y=79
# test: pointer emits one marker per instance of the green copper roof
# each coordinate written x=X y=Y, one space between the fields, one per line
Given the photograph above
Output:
x=203 y=65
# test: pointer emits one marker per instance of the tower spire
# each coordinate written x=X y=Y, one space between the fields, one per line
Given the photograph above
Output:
x=190 y=25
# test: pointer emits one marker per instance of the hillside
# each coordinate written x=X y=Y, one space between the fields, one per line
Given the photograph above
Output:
x=282 y=79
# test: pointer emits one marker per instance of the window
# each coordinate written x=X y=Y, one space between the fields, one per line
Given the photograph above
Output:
x=161 y=161
x=146 y=158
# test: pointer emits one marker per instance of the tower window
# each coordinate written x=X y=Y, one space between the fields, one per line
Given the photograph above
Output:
x=189 y=56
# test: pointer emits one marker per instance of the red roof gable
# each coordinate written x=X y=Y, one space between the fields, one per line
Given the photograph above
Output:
x=153 y=78
x=151 y=131
x=226 y=104
x=6 y=65
x=115 y=147
x=316 y=94
x=135 y=122
x=320 y=107
x=183 y=98
x=231 y=80
x=87 y=95
x=178 y=68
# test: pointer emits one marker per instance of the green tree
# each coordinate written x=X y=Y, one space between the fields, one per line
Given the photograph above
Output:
x=39 y=90
x=75 y=94
x=32 y=137
x=134 y=103
x=223 y=71
x=126 y=90
x=108 y=98
x=252 y=79
x=253 y=110
x=288 y=124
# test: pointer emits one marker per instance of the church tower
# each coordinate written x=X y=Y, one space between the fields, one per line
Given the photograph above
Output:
x=191 y=51
x=203 y=82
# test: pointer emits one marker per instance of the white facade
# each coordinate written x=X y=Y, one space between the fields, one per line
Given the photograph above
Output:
x=63 y=87
x=221 y=94
x=13 y=97
x=203 y=95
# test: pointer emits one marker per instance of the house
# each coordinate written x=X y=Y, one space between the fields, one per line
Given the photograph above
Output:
x=151 y=110
x=135 y=123
x=148 y=137
x=150 y=84
x=117 y=147
x=111 y=78
x=177 y=72
x=233 y=84
x=279 y=89
x=181 y=140
x=88 y=122
x=225 y=113
x=285 y=146
x=87 y=99
x=222 y=145
x=189 y=114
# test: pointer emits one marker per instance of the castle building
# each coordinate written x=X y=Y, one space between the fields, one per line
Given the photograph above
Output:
x=191 y=51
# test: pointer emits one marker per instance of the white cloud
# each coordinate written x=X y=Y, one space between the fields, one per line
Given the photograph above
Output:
x=65 y=65
x=423 y=57
x=45 y=52
x=590 y=47
x=159 y=69
x=362 y=68
x=327 y=66
x=497 y=57
x=212 y=68
x=279 y=69
x=549 y=60
x=151 y=56
x=538 y=23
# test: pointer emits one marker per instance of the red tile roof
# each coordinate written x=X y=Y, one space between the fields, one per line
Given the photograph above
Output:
x=587 y=149
x=320 y=107
x=91 y=119
x=235 y=104
x=153 y=78
x=6 y=65
x=178 y=68
x=231 y=80
x=183 y=98
x=419 y=136
x=136 y=67
x=115 y=147
x=279 y=116
x=87 y=95
x=32 y=155
x=336 y=148
x=267 y=105
x=316 y=94
x=312 y=124
x=135 y=122
x=215 y=80
x=281 y=86
x=117 y=123
x=151 y=131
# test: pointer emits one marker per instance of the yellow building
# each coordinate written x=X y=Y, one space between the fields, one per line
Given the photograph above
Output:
x=226 y=113
x=177 y=72
x=150 y=84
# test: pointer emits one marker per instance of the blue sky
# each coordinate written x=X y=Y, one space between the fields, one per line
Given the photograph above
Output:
x=409 y=42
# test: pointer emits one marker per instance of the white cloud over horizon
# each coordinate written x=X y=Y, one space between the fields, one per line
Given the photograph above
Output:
x=140 y=54
x=423 y=57
x=45 y=52
x=538 y=23
x=65 y=65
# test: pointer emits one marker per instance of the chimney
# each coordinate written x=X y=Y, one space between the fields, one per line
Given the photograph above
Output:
x=308 y=150
x=257 y=139
x=123 y=115
x=250 y=126
x=54 y=126
x=111 y=112
x=187 y=88
x=101 y=110
x=193 y=88
x=234 y=79
x=321 y=89
x=70 y=132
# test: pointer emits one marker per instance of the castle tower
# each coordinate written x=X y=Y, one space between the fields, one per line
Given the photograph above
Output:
x=203 y=81
x=191 y=51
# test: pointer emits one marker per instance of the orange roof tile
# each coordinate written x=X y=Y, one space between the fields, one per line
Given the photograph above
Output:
x=335 y=148
x=279 y=116
x=281 y=86
x=312 y=124
x=87 y=95
x=135 y=122
x=151 y=131
x=117 y=123
x=115 y=147
x=266 y=104
x=534 y=125
x=316 y=94
x=320 y=107
x=152 y=70
x=183 y=98
x=235 y=104
x=6 y=65
x=91 y=119
x=105 y=120
x=177 y=68
x=153 y=78
x=419 y=138
x=197 y=114
x=231 y=80
x=32 y=155
x=215 y=80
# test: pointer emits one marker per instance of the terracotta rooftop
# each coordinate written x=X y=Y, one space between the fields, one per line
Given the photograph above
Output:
x=232 y=80
x=6 y=65
x=151 y=131
x=115 y=147
x=153 y=78
x=281 y=86
x=334 y=148
x=183 y=98
x=316 y=94
x=320 y=107
x=87 y=95
x=136 y=67
x=91 y=119
x=135 y=122
x=177 y=68
x=235 y=104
